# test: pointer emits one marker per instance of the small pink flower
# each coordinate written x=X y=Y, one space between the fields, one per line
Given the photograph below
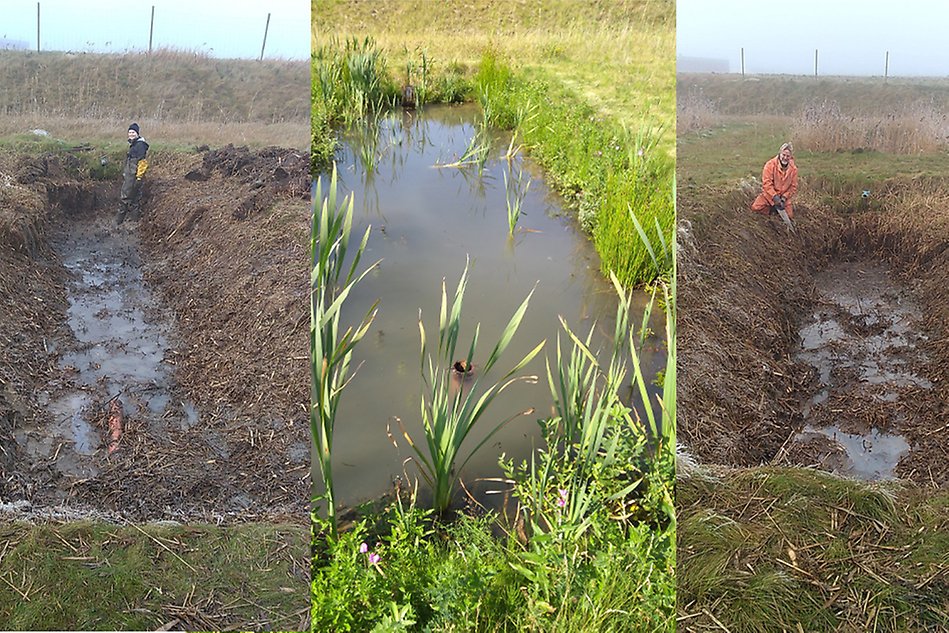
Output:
x=373 y=558
x=363 y=548
x=562 y=501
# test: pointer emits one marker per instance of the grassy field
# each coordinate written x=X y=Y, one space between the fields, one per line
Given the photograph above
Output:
x=778 y=548
x=178 y=98
x=617 y=56
x=589 y=89
x=740 y=124
x=84 y=576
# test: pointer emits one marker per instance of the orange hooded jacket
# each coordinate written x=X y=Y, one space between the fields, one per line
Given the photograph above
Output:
x=776 y=182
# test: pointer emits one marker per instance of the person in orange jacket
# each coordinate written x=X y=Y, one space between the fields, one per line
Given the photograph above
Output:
x=778 y=183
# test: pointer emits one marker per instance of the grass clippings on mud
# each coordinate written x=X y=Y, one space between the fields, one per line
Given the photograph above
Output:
x=82 y=576
x=774 y=549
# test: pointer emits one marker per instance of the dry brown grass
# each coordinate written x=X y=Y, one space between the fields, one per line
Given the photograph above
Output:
x=178 y=96
x=77 y=130
x=694 y=111
x=823 y=126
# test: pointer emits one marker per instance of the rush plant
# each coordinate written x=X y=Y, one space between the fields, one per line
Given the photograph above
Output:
x=515 y=190
x=449 y=408
x=331 y=281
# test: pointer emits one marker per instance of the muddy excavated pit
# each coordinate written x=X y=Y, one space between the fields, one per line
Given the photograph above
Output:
x=157 y=369
x=827 y=348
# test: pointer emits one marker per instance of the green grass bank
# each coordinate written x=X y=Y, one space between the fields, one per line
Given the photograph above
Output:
x=85 y=576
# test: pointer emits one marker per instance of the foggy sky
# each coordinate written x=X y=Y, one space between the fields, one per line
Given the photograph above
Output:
x=215 y=27
x=852 y=36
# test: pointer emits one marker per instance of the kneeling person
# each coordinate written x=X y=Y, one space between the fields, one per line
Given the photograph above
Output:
x=778 y=184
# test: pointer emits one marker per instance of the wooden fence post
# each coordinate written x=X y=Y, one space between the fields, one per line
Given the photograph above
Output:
x=266 y=28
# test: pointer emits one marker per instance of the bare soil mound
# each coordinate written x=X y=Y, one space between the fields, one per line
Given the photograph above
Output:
x=188 y=329
x=827 y=347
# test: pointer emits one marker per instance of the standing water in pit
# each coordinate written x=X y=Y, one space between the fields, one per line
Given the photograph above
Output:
x=863 y=341
x=120 y=354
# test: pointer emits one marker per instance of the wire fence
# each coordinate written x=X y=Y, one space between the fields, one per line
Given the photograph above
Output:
x=817 y=64
x=104 y=27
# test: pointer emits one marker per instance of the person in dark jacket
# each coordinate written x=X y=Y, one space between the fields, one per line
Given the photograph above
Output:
x=130 y=204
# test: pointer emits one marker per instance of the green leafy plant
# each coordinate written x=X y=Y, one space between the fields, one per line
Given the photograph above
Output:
x=450 y=410
x=330 y=350
x=515 y=190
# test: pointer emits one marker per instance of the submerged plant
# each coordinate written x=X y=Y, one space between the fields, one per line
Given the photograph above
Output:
x=450 y=409
x=515 y=190
x=331 y=351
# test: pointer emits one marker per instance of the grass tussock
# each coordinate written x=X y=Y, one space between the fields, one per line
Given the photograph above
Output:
x=919 y=128
x=792 y=549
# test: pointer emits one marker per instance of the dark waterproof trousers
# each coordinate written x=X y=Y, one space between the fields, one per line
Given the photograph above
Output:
x=130 y=203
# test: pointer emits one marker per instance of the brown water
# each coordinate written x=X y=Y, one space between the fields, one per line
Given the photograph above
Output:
x=121 y=343
x=864 y=342
x=426 y=220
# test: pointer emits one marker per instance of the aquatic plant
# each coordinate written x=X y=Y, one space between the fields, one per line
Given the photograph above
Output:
x=351 y=79
x=476 y=153
x=331 y=351
x=515 y=190
x=449 y=413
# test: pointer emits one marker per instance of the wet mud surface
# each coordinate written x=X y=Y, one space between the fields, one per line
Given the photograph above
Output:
x=120 y=353
x=121 y=415
x=864 y=342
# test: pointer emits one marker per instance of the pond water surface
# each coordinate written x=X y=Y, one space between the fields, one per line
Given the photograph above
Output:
x=426 y=222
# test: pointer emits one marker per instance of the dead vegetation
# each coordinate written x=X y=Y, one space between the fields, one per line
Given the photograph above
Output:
x=823 y=126
x=694 y=111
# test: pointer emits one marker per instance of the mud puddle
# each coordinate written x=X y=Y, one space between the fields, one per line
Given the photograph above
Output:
x=120 y=353
x=864 y=343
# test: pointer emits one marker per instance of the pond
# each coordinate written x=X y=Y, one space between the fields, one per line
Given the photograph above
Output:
x=427 y=220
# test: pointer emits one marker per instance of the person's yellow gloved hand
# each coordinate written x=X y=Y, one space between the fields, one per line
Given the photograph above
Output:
x=142 y=166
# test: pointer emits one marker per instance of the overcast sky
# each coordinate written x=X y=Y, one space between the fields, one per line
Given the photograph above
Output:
x=216 y=27
x=851 y=36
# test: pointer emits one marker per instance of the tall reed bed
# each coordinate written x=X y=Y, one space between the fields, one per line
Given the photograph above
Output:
x=602 y=168
x=823 y=126
x=350 y=80
x=330 y=348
